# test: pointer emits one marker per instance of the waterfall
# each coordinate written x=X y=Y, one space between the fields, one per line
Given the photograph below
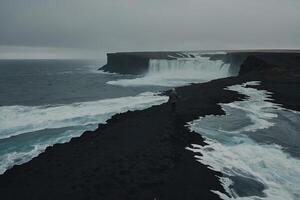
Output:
x=180 y=71
x=195 y=68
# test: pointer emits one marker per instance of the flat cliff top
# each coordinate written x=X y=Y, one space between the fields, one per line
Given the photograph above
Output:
x=150 y=55
x=165 y=54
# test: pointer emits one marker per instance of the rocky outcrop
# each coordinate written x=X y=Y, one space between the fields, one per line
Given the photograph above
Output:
x=270 y=63
x=270 y=67
x=126 y=63
x=135 y=62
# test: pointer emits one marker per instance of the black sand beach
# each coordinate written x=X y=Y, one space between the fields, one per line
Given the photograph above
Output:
x=141 y=154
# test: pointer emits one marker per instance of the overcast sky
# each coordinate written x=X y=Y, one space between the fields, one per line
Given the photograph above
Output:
x=91 y=27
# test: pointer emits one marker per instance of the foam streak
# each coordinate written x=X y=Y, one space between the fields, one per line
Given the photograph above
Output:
x=233 y=153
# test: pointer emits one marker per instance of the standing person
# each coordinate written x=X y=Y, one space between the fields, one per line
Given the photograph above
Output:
x=173 y=98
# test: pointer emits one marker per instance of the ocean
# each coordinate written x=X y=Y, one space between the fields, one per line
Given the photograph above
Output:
x=255 y=145
x=43 y=102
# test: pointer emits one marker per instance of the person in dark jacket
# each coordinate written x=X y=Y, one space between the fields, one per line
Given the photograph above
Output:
x=173 y=98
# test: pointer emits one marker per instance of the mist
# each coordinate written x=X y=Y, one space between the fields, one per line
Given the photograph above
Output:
x=74 y=28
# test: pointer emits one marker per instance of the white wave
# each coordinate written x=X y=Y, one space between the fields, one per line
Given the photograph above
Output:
x=179 y=71
x=15 y=120
x=234 y=154
x=100 y=71
x=257 y=106
x=10 y=159
x=267 y=164
x=96 y=69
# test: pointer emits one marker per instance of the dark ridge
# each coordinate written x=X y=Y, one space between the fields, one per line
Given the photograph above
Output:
x=278 y=68
x=135 y=62
x=253 y=64
x=141 y=154
x=136 y=155
x=126 y=64
x=280 y=75
x=138 y=62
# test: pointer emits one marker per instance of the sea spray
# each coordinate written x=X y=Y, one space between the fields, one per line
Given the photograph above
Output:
x=251 y=170
x=180 y=71
x=32 y=128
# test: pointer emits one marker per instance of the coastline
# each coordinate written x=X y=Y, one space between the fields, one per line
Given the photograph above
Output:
x=141 y=154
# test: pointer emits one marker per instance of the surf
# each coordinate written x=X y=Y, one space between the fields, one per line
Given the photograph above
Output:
x=252 y=168
x=31 y=129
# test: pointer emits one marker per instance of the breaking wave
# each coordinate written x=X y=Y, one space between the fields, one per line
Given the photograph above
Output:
x=15 y=120
x=25 y=131
x=252 y=169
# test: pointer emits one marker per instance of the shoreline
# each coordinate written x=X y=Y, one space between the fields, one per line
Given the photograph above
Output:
x=141 y=154
x=136 y=166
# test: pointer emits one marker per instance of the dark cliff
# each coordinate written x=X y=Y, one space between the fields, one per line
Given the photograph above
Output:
x=138 y=62
x=126 y=63
x=135 y=62
x=272 y=66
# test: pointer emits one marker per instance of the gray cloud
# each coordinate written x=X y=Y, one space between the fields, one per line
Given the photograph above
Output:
x=128 y=25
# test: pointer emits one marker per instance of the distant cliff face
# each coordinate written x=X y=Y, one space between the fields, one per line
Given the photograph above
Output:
x=135 y=62
x=280 y=66
x=268 y=65
x=126 y=63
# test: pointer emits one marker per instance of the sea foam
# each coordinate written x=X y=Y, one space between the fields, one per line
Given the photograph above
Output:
x=15 y=120
x=31 y=129
x=179 y=71
x=231 y=151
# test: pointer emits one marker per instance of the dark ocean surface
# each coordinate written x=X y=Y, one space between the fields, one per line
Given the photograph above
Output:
x=43 y=82
x=43 y=102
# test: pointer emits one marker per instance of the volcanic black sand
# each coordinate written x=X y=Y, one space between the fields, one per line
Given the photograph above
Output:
x=141 y=154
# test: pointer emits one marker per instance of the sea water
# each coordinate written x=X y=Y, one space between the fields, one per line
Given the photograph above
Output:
x=255 y=146
x=43 y=102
